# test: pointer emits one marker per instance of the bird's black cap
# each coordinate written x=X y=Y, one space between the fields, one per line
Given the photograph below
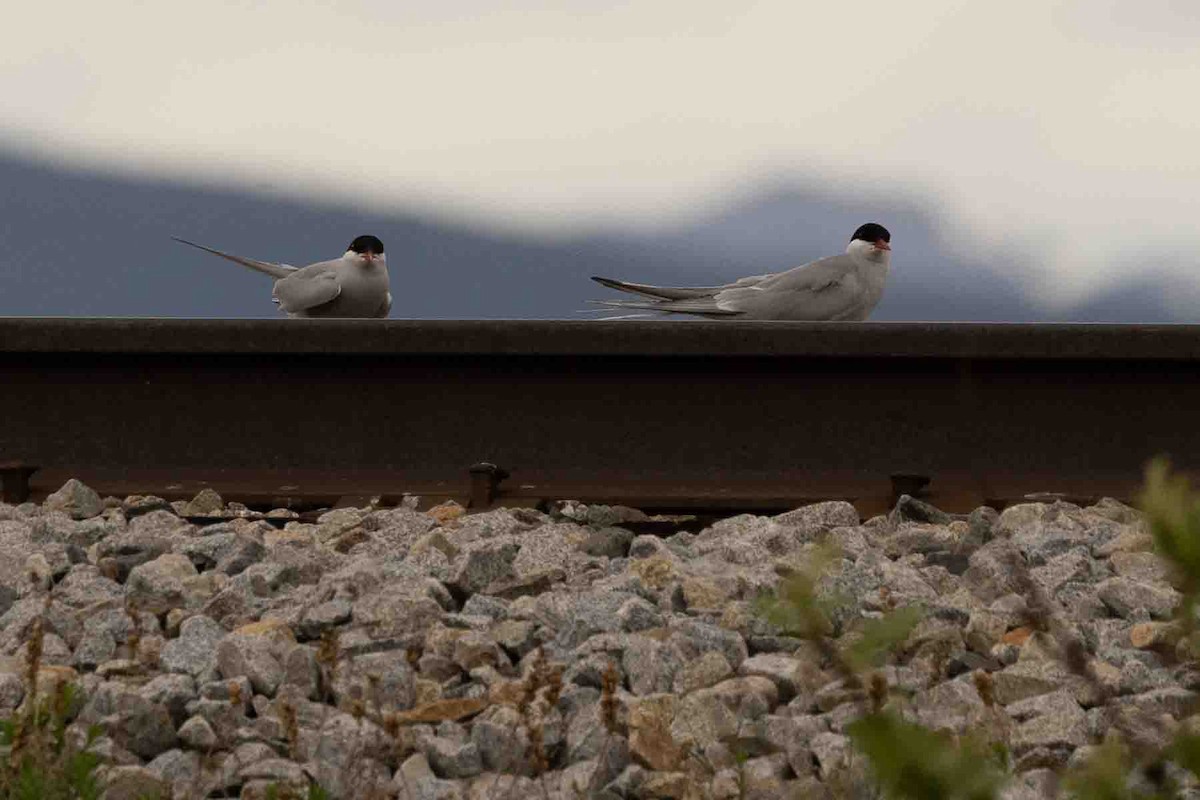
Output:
x=872 y=232
x=366 y=244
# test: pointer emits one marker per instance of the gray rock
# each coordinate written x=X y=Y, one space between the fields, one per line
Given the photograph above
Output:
x=1036 y=784
x=137 y=724
x=116 y=619
x=597 y=514
x=784 y=671
x=12 y=692
x=206 y=549
x=590 y=614
x=477 y=649
x=173 y=692
x=517 y=636
x=551 y=547
x=17 y=623
x=648 y=546
x=252 y=657
x=224 y=717
x=96 y=647
x=483 y=563
x=910 y=509
x=922 y=538
x=650 y=665
x=76 y=500
x=245 y=550
x=1136 y=678
x=499 y=737
x=590 y=669
x=324 y=617
x=452 y=759
x=54 y=651
x=587 y=737
x=274 y=770
x=1144 y=567
x=953 y=706
x=694 y=638
x=765 y=777
x=1079 y=602
x=608 y=542
x=302 y=671
x=136 y=504
x=625 y=785
x=481 y=605
x=905 y=584
x=415 y=779
x=132 y=783
x=1075 y=565
x=1135 y=600
x=195 y=651
x=852 y=542
x=146 y=538
x=1174 y=701
x=832 y=753
x=205 y=504
x=8 y=596
x=83 y=586
x=984 y=630
x=845 y=584
x=180 y=770
x=821 y=516
x=227 y=548
x=702 y=719
x=589 y=776
x=345 y=750
x=1028 y=679
x=381 y=682
x=59 y=527
x=527 y=585
x=636 y=614
x=197 y=734
x=980 y=524
x=702 y=673
x=160 y=585
x=400 y=613
x=994 y=570
x=239 y=603
x=16 y=546
x=1053 y=721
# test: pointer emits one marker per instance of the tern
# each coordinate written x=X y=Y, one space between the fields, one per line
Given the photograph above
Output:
x=842 y=287
x=355 y=285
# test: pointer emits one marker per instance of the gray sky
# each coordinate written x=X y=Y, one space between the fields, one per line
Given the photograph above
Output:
x=1065 y=130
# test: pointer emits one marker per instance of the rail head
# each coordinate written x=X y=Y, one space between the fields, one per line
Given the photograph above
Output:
x=254 y=337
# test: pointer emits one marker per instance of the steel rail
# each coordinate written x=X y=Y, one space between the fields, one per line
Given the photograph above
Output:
x=664 y=415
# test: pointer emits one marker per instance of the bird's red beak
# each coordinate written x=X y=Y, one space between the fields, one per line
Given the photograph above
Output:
x=880 y=244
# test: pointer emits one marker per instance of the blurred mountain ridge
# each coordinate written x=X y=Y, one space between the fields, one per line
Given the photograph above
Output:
x=76 y=242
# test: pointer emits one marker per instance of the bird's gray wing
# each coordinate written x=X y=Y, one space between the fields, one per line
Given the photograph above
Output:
x=385 y=307
x=705 y=307
x=308 y=287
x=659 y=292
x=828 y=288
x=268 y=267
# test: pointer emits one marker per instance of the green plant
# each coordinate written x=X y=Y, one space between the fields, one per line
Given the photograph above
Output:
x=42 y=762
x=279 y=792
x=911 y=762
x=1173 y=513
x=908 y=761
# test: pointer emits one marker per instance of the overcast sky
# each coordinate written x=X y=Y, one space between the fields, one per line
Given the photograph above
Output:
x=1068 y=130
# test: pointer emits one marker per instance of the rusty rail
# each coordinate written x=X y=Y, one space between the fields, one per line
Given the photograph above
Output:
x=663 y=415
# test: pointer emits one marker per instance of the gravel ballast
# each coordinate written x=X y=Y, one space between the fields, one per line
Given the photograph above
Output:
x=449 y=655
